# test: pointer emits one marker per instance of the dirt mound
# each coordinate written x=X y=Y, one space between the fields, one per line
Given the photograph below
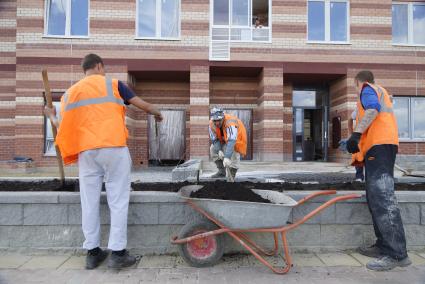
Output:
x=232 y=191
x=72 y=185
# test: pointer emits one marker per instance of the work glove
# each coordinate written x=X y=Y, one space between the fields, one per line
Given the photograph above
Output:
x=227 y=162
x=220 y=155
x=353 y=143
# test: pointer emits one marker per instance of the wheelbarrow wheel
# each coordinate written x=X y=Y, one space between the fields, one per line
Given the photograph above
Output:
x=201 y=252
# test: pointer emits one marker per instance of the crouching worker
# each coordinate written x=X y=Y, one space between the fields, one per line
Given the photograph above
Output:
x=92 y=133
x=228 y=138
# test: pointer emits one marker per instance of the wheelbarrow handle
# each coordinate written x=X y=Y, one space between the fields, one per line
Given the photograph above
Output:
x=320 y=208
x=315 y=194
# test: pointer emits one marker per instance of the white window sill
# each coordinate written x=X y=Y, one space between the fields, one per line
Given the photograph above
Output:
x=329 y=42
x=66 y=37
x=251 y=41
x=408 y=45
x=158 y=38
x=49 y=155
x=416 y=140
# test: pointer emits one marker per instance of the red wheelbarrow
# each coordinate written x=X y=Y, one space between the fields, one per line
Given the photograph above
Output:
x=201 y=242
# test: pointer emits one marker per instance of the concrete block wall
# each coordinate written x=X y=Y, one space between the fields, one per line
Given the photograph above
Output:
x=52 y=221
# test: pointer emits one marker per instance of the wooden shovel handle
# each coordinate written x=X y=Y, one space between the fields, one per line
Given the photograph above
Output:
x=49 y=102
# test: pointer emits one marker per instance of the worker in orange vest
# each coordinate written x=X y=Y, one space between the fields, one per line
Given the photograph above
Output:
x=228 y=142
x=376 y=138
x=92 y=132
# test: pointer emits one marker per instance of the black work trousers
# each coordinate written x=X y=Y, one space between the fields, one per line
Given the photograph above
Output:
x=382 y=203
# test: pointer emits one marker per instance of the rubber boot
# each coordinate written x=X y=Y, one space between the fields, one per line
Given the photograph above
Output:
x=233 y=172
x=221 y=171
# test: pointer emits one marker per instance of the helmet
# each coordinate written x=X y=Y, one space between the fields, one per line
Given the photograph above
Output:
x=217 y=113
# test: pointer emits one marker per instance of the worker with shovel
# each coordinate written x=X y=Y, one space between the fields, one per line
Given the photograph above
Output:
x=376 y=138
x=228 y=143
x=92 y=132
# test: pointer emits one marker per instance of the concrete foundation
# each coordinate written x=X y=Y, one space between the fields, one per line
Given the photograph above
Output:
x=51 y=221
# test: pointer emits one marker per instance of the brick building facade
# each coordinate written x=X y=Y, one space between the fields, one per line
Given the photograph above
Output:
x=261 y=70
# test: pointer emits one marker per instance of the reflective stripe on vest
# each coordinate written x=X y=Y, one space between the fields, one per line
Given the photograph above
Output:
x=384 y=107
x=109 y=98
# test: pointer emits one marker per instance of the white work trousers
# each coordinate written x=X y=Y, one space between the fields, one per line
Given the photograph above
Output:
x=112 y=165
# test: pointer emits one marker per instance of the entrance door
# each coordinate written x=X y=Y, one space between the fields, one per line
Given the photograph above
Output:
x=310 y=127
x=167 y=138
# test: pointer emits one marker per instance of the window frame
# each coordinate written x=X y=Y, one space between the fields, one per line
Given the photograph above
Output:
x=327 y=39
x=251 y=27
x=409 y=23
x=411 y=117
x=67 y=21
x=158 y=23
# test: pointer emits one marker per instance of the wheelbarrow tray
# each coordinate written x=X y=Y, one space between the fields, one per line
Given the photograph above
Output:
x=242 y=214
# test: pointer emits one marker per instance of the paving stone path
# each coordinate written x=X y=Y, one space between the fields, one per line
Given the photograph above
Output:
x=308 y=268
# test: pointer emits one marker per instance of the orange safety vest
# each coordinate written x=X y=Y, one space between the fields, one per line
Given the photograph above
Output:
x=383 y=130
x=92 y=116
x=241 y=140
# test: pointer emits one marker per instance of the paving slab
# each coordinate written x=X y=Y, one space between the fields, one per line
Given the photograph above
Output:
x=181 y=263
x=421 y=254
x=157 y=261
x=361 y=258
x=11 y=261
x=307 y=260
x=74 y=262
x=338 y=259
x=44 y=262
x=416 y=259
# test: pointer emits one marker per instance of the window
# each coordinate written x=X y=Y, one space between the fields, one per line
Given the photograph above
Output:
x=67 y=18
x=328 y=21
x=241 y=20
x=408 y=23
x=158 y=19
x=303 y=98
x=49 y=145
x=410 y=114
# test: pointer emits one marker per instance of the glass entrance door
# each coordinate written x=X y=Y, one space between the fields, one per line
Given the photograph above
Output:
x=310 y=125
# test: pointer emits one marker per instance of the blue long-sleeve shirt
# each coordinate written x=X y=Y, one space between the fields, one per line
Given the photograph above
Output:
x=125 y=92
x=369 y=99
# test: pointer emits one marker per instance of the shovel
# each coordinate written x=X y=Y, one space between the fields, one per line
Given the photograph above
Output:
x=48 y=97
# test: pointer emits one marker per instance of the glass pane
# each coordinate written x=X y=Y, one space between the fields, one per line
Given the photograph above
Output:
x=57 y=17
x=304 y=98
x=419 y=24
x=399 y=23
x=240 y=13
x=401 y=111
x=260 y=13
x=170 y=18
x=50 y=146
x=316 y=20
x=221 y=12
x=418 y=108
x=79 y=17
x=147 y=18
x=338 y=21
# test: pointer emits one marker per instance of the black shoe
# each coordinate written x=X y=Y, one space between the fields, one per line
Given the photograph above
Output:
x=93 y=260
x=372 y=251
x=387 y=263
x=121 y=259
